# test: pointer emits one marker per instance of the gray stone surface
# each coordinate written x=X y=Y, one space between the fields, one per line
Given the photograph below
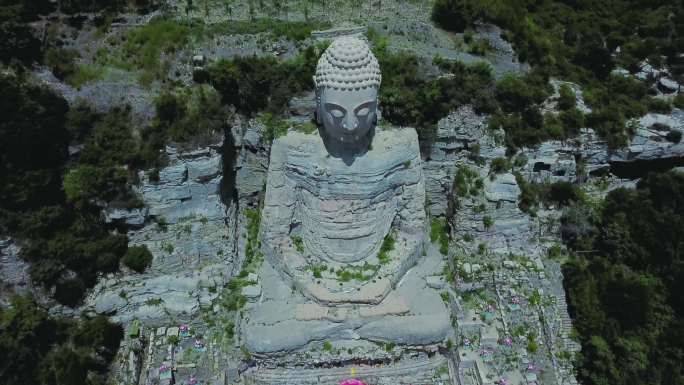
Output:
x=14 y=272
x=649 y=143
x=190 y=233
x=342 y=210
x=668 y=85
x=134 y=218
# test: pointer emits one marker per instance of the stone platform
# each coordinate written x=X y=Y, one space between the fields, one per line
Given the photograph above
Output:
x=417 y=371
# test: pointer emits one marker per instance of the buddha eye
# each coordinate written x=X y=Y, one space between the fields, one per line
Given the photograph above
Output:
x=337 y=113
x=363 y=112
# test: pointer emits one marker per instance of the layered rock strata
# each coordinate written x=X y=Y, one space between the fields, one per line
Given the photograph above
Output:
x=324 y=218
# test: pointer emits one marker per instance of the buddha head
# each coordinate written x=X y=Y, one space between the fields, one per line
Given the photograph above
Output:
x=347 y=81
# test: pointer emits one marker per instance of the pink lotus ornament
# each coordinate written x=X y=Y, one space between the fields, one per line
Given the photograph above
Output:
x=163 y=368
x=352 y=382
x=184 y=328
x=192 y=380
x=199 y=344
x=508 y=341
x=466 y=342
x=503 y=381
x=515 y=300
x=531 y=367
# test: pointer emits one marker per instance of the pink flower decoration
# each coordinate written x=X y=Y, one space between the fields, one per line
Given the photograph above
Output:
x=163 y=368
x=184 y=328
x=352 y=382
x=503 y=381
x=508 y=341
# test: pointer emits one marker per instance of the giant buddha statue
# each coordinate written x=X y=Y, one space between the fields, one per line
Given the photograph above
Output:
x=343 y=221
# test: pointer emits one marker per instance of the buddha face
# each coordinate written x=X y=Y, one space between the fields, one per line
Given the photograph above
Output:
x=348 y=115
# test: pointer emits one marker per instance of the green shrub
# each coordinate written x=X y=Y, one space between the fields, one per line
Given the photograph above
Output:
x=137 y=258
x=61 y=61
x=298 y=243
x=487 y=221
x=628 y=281
x=276 y=126
x=674 y=136
x=186 y=114
x=439 y=233
x=143 y=46
x=84 y=74
x=572 y=120
x=679 y=101
x=454 y=15
x=499 y=166
x=18 y=41
x=386 y=247
x=243 y=81
x=566 y=98
x=659 y=105
x=558 y=193
x=52 y=349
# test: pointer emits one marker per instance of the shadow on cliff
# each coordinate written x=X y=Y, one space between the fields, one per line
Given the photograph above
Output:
x=229 y=152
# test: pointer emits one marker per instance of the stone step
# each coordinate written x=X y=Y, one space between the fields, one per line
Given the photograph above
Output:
x=420 y=372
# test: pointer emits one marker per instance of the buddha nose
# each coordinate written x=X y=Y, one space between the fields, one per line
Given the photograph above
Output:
x=350 y=123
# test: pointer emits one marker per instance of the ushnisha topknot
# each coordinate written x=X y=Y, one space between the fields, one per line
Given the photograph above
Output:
x=348 y=64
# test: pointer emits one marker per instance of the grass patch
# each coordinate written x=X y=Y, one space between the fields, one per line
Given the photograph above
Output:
x=84 y=74
x=439 y=233
x=358 y=273
x=275 y=125
x=298 y=243
x=291 y=30
x=142 y=48
x=385 y=248
x=306 y=128
x=253 y=256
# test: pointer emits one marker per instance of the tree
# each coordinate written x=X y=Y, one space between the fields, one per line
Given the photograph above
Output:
x=454 y=15
x=137 y=258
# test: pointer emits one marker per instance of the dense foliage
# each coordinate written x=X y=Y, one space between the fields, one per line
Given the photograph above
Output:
x=577 y=41
x=38 y=349
x=52 y=204
x=625 y=294
x=255 y=84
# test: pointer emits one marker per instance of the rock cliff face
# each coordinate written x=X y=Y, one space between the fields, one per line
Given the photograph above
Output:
x=459 y=134
x=14 y=272
x=191 y=234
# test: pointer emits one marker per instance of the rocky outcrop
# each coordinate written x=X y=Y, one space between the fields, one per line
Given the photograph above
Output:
x=651 y=141
x=190 y=232
x=459 y=135
x=14 y=272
